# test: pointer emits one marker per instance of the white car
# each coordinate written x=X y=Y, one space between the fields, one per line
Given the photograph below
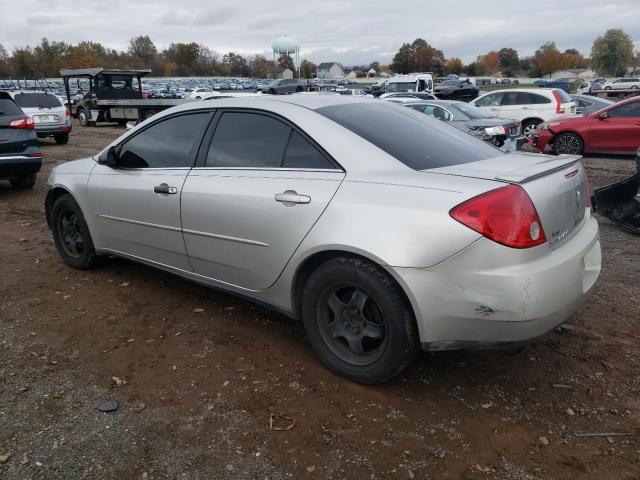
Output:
x=529 y=106
x=50 y=117
x=198 y=93
x=623 y=84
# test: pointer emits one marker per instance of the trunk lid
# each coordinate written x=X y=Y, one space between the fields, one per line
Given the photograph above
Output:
x=557 y=187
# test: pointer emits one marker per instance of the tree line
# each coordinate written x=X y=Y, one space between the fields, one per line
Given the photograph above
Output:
x=611 y=54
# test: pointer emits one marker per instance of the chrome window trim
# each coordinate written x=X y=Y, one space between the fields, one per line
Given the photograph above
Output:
x=269 y=169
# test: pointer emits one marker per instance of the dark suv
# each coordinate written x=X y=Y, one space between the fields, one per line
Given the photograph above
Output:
x=285 y=85
x=20 y=157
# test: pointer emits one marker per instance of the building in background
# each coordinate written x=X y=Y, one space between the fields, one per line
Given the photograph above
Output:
x=577 y=73
x=327 y=70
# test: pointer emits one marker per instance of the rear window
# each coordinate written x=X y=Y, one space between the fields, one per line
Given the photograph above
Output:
x=37 y=100
x=564 y=96
x=411 y=137
x=9 y=108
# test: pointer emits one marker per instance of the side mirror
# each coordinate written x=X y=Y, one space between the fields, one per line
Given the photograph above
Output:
x=110 y=158
x=603 y=116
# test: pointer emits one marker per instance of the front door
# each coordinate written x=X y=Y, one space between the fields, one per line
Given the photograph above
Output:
x=137 y=204
x=619 y=132
x=262 y=186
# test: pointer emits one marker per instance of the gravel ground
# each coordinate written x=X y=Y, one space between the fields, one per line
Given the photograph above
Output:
x=200 y=374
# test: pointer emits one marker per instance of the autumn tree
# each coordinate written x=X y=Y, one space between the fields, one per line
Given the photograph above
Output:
x=5 y=65
x=612 y=53
x=453 y=65
x=418 y=56
x=547 y=59
x=490 y=63
x=261 y=67
x=236 y=65
x=285 y=61
x=184 y=55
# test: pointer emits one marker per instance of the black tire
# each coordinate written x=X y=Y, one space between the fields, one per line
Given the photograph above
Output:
x=569 y=143
x=149 y=114
x=607 y=88
x=61 y=138
x=375 y=337
x=298 y=89
x=529 y=127
x=272 y=91
x=23 y=183
x=71 y=234
x=83 y=117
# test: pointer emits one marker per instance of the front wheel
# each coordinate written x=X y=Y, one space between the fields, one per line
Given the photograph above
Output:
x=23 y=183
x=71 y=234
x=607 y=88
x=530 y=127
x=568 y=143
x=83 y=117
x=358 y=320
x=61 y=138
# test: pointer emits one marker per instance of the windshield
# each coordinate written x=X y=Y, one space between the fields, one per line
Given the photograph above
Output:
x=401 y=87
x=469 y=111
x=411 y=137
x=37 y=100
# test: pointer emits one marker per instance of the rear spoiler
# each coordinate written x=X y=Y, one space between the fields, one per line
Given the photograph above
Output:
x=538 y=169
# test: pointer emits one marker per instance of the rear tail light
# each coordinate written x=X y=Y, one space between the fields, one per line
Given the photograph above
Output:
x=559 y=104
x=22 y=123
x=36 y=155
x=67 y=113
x=505 y=215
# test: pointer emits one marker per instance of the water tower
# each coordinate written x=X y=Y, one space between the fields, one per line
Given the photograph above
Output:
x=286 y=45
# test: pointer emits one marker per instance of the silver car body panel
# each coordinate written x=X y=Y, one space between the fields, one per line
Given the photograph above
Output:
x=225 y=228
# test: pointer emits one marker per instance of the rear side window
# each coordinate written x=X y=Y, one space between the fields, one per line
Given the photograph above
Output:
x=539 y=99
x=411 y=137
x=37 y=100
x=301 y=154
x=9 y=108
x=564 y=96
x=166 y=144
x=245 y=140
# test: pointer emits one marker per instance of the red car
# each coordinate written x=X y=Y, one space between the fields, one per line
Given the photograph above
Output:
x=614 y=129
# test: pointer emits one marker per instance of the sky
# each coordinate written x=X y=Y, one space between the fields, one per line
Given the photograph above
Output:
x=352 y=32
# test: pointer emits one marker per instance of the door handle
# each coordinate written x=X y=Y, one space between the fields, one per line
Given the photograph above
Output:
x=166 y=189
x=291 y=197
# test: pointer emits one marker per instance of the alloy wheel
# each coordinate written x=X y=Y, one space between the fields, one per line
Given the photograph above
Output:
x=568 y=144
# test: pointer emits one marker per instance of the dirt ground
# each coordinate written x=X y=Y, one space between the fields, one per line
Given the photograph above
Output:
x=198 y=375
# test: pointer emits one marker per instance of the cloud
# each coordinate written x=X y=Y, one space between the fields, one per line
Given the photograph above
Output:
x=351 y=32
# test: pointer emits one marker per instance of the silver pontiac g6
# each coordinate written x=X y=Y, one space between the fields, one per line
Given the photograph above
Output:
x=381 y=229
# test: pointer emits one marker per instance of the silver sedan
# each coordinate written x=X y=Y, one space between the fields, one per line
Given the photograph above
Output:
x=381 y=229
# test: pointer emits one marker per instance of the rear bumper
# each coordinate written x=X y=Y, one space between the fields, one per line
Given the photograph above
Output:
x=50 y=130
x=19 y=166
x=489 y=294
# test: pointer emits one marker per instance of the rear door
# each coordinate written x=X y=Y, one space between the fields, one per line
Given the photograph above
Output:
x=516 y=106
x=619 y=132
x=259 y=187
x=137 y=205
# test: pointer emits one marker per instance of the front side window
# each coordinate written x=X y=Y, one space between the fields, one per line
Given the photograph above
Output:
x=437 y=112
x=628 y=110
x=166 y=144
x=401 y=87
x=245 y=140
x=491 y=100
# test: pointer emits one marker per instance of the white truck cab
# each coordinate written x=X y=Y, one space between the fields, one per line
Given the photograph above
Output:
x=414 y=82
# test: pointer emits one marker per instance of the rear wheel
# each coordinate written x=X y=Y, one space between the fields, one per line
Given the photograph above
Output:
x=23 y=183
x=607 y=88
x=298 y=89
x=71 y=234
x=61 y=138
x=358 y=320
x=529 y=127
x=272 y=91
x=568 y=143
x=83 y=117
